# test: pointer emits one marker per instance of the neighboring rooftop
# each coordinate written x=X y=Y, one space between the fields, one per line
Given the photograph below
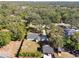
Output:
x=36 y=36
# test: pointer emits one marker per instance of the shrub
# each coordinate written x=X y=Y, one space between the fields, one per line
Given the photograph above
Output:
x=15 y=36
x=56 y=36
x=77 y=46
x=38 y=54
x=5 y=37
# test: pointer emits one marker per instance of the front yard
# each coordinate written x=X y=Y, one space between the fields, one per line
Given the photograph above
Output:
x=28 y=49
x=11 y=49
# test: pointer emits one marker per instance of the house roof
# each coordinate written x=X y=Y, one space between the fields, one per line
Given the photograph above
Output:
x=33 y=36
x=47 y=49
x=70 y=31
x=36 y=36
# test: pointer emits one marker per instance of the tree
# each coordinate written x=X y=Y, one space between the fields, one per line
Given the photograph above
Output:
x=76 y=40
x=17 y=27
x=56 y=38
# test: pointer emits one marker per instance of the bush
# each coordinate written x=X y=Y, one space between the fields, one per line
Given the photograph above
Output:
x=15 y=36
x=77 y=46
x=5 y=37
x=30 y=54
x=18 y=31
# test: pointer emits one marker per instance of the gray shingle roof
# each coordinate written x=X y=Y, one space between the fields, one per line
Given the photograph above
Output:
x=35 y=36
x=47 y=49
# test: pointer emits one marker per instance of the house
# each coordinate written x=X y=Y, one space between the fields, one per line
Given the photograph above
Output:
x=36 y=37
x=48 y=51
x=69 y=32
x=33 y=36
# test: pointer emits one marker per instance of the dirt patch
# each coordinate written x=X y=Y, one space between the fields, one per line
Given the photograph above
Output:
x=64 y=55
x=29 y=46
x=11 y=49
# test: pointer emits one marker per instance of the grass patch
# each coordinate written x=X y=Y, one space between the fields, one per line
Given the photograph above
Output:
x=29 y=54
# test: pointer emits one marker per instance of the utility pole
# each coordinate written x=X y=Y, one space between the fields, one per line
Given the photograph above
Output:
x=17 y=55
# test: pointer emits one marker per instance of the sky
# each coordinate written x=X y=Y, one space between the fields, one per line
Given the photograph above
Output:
x=41 y=0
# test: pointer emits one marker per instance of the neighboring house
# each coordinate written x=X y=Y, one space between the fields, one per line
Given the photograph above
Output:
x=33 y=36
x=36 y=37
x=69 y=32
